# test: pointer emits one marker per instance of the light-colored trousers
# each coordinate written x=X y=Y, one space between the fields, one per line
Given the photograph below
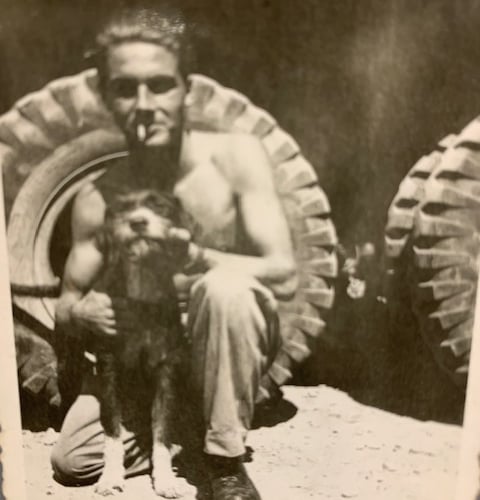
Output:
x=233 y=343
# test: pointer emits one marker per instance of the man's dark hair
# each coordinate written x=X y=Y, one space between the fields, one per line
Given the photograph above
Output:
x=161 y=25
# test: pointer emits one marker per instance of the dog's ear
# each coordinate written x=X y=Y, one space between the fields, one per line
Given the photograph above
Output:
x=181 y=217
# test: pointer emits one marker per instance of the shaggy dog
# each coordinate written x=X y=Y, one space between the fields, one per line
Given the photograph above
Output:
x=143 y=357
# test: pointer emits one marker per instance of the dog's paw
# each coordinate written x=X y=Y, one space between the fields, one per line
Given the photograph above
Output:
x=170 y=486
x=110 y=484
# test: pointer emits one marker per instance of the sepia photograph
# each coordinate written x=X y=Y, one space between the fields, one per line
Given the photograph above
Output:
x=240 y=245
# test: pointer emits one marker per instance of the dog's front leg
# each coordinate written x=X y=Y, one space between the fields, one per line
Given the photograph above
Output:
x=112 y=479
x=165 y=483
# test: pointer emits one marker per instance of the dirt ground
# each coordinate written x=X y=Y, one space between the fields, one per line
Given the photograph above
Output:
x=319 y=444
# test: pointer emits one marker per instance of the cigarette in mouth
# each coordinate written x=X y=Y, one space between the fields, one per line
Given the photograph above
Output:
x=141 y=132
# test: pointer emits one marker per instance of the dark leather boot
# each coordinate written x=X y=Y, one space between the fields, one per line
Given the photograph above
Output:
x=229 y=480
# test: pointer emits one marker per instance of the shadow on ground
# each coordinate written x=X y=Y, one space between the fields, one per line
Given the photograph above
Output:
x=382 y=365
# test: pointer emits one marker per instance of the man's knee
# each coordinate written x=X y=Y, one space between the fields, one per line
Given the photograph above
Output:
x=225 y=307
x=224 y=287
x=71 y=466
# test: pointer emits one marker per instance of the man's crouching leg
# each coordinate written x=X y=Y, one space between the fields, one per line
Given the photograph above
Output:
x=234 y=340
x=77 y=458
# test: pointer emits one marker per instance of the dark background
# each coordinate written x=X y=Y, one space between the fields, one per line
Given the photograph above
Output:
x=365 y=86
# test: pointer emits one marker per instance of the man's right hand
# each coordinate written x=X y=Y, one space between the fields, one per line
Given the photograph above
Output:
x=95 y=313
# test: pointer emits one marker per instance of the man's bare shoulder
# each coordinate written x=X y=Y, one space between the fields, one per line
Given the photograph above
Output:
x=88 y=212
x=234 y=153
x=217 y=142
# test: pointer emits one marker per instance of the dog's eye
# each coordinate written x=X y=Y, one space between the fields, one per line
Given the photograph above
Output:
x=158 y=205
x=161 y=210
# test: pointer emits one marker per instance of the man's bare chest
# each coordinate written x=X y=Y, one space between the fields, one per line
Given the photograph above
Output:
x=208 y=198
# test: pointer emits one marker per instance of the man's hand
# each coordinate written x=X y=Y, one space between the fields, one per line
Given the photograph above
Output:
x=178 y=240
x=265 y=298
x=94 y=312
x=182 y=248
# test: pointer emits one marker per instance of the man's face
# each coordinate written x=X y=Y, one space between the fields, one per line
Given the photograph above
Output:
x=145 y=91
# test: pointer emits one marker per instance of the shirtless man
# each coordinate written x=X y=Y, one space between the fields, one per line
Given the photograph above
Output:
x=224 y=182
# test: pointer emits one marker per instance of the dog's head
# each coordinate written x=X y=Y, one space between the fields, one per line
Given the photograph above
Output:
x=137 y=223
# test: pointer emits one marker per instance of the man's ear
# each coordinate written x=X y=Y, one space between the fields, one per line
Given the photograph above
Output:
x=95 y=59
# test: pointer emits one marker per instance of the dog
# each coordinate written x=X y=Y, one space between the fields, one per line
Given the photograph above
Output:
x=147 y=350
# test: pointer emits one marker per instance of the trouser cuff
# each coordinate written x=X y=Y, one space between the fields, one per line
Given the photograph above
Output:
x=225 y=443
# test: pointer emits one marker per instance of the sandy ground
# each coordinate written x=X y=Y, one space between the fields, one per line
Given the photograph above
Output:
x=325 y=445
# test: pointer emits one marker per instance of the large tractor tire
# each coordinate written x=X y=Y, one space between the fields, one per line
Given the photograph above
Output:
x=420 y=388
x=398 y=239
x=55 y=140
x=404 y=207
x=44 y=139
x=431 y=249
x=446 y=250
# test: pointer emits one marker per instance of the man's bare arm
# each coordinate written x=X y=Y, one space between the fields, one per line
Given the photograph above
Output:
x=248 y=169
x=78 y=305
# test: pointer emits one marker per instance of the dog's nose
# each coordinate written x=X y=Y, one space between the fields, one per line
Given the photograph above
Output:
x=138 y=223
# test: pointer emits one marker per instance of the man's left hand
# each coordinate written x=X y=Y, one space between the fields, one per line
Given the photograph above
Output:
x=178 y=242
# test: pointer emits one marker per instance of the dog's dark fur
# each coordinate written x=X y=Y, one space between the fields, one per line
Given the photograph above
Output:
x=147 y=349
